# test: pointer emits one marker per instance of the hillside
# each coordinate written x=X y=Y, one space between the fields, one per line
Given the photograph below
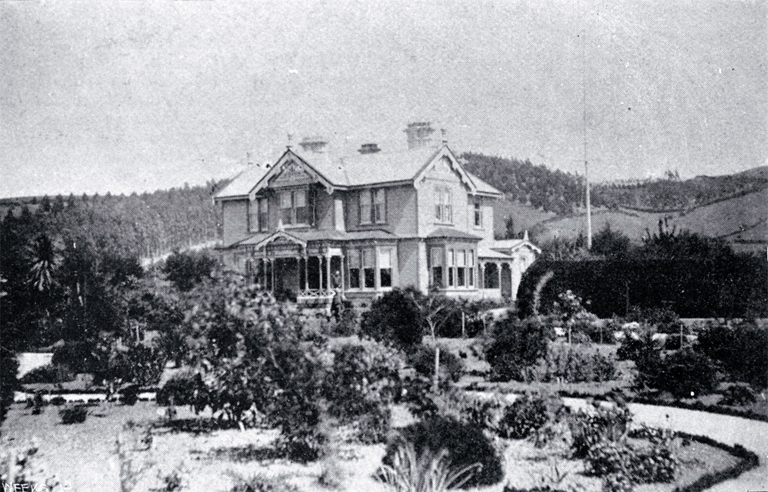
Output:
x=741 y=220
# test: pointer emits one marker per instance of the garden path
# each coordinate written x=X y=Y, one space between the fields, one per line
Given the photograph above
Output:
x=752 y=434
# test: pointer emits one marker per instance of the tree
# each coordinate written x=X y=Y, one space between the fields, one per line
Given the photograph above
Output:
x=610 y=243
x=395 y=318
x=430 y=308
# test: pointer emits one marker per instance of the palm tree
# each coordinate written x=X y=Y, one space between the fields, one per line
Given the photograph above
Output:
x=43 y=258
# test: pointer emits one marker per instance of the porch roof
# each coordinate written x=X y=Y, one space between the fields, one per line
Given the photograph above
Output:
x=447 y=232
x=310 y=235
x=491 y=254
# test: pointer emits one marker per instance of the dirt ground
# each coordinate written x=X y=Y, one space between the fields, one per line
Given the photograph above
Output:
x=83 y=457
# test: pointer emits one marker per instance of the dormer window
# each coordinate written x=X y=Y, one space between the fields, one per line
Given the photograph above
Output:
x=373 y=206
x=293 y=207
x=443 y=205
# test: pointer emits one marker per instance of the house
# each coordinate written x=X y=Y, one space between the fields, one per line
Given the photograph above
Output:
x=313 y=223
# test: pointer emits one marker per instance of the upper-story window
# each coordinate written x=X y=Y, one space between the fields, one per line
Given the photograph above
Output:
x=443 y=205
x=478 y=214
x=373 y=206
x=293 y=207
x=258 y=215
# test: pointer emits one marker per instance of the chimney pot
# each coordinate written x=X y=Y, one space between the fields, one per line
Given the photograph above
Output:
x=313 y=144
x=369 y=148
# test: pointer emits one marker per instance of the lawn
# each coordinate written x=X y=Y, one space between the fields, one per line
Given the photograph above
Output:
x=84 y=456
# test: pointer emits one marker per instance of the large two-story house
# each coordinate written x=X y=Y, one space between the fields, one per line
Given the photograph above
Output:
x=313 y=223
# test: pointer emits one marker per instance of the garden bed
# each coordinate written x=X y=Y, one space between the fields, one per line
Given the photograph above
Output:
x=84 y=455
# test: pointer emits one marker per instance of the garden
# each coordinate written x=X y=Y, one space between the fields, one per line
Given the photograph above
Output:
x=211 y=385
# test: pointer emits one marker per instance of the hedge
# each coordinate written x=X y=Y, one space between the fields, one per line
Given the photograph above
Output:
x=728 y=287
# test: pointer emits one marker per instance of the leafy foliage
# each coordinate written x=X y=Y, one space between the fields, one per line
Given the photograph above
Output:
x=423 y=360
x=395 y=318
x=9 y=367
x=427 y=473
x=186 y=270
x=74 y=414
x=742 y=351
x=185 y=388
x=50 y=373
x=466 y=445
x=523 y=417
x=738 y=395
x=574 y=364
x=685 y=373
x=515 y=346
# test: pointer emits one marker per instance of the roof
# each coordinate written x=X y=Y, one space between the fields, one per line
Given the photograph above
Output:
x=308 y=235
x=484 y=252
x=512 y=244
x=242 y=184
x=447 y=232
x=352 y=171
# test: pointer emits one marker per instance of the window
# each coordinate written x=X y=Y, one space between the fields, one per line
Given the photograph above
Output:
x=478 y=215
x=369 y=278
x=354 y=268
x=470 y=268
x=443 y=205
x=437 y=267
x=451 y=270
x=461 y=270
x=258 y=215
x=293 y=207
x=373 y=206
x=385 y=267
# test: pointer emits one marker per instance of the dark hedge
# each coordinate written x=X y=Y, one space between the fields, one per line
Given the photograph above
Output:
x=728 y=287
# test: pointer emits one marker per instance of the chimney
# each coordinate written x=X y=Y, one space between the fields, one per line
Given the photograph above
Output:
x=369 y=148
x=313 y=144
x=419 y=134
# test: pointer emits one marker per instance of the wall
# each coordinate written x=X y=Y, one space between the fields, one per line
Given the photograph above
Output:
x=408 y=263
x=401 y=212
x=235 y=217
x=442 y=175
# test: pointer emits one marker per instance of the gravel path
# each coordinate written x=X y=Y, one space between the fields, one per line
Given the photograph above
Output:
x=752 y=434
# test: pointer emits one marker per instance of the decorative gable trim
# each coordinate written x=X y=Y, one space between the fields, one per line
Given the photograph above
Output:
x=289 y=158
x=445 y=153
x=279 y=235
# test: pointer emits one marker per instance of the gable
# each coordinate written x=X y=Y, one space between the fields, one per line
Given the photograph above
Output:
x=291 y=174
x=444 y=166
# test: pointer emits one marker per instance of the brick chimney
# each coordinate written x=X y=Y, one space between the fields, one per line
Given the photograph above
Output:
x=369 y=148
x=419 y=134
x=313 y=144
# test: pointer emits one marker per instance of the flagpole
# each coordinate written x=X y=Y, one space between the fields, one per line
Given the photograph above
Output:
x=584 y=124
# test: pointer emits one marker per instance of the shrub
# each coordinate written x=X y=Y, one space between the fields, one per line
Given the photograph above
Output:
x=185 y=270
x=347 y=323
x=514 y=347
x=58 y=401
x=423 y=361
x=639 y=464
x=663 y=319
x=600 y=424
x=78 y=356
x=466 y=445
x=738 y=396
x=9 y=367
x=139 y=365
x=129 y=395
x=575 y=364
x=38 y=403
x=742 y=351
x=429 y=472
x=685 y=373
x=395 y=318
x=260 y=483
x=523 y=418
x=185 y=388
x=73 y=415
x=50 y=373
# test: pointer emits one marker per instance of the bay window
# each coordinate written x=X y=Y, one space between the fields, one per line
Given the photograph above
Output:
x=385 y=267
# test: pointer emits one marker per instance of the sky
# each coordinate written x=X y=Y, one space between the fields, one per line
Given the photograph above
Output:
x=124 y=96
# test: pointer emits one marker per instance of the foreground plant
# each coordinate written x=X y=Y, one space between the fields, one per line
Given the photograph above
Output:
x=426 y=473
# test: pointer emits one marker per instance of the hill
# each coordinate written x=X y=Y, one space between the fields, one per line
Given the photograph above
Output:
x=741 y=220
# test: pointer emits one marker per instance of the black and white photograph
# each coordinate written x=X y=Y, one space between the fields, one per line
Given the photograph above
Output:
x=384 y=245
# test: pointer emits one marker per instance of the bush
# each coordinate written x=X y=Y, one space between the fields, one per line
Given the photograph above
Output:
x=185 y=388
x=129 y=395
x=138 y=364
x=78 y=356
x=742 y=351
x=738 y=396
x=685 y=374
x=523 y=418
x=347 y=323
x=466 y=445
x=639 y=464
x=575 y=364
x=9 y=367
x=185 y=270
x=600 y=424
x=423 y=361
x=58 y=401
x=363 y=380
x=515 y=346
x=395 y=318
x=663 y=319
x=37 y=403
x=50 y=373
x=73 y=415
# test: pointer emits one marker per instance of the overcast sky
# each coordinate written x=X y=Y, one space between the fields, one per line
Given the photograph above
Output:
x=130 y=96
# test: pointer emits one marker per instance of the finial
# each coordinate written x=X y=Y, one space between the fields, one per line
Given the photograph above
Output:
x=444 y=132
x=290 y=139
